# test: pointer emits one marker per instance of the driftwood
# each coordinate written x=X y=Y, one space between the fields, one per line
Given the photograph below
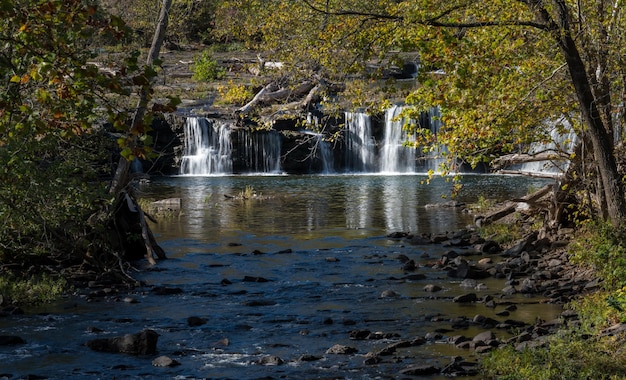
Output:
x=270 y=94
x=520 y=158
x=512 y=206
x=531 y=174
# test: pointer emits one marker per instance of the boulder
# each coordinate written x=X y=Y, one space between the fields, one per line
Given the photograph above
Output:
x=142 y=343
x=339 y=349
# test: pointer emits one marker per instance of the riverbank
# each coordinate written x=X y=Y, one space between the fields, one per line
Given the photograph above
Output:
x=243 y=312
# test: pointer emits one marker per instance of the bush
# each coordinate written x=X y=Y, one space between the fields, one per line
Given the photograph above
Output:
x=234 y=94
x=602 y=246
x=206 y=68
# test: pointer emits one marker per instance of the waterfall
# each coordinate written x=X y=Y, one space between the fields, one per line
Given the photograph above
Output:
x=395 y=157
x=360 y=145
x=433 y=159
x=562 y=140
x=260 y=150
x=322 y=151
x=207 y=147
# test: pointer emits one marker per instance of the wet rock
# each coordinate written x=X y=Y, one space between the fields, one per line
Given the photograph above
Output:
x=166 y=291
x=398 y=235
x=309 y=358
x=483 y=349
x=484 y=336
x=414 y=277
x=372 y=358
x=420 y=370
x=359 y=334
x=225 y=282
x=403 y=258
x=439 y=238
x=194 y=321
x=254 y=279
x=485 y=261
x=489 y=247
x=458 y=339
x=460 y=368
x=339 y=349
x=224 y=342
x=389 y=294
x=142 y=343
x=331 y=259
x=409 y=266
x=460 y=323
x=431 y=288
x=130 y=300
x=94 y=330
x=419 y=240
x=432 y=336
x=509 y=290
x=11 y=340
x=465 y=298
x=468 y=283
x=270 y=360
x=485 y=321
x=165 y=361
x=255 y=303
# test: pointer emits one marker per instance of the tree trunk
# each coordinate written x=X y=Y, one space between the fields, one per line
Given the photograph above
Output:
x=601 y=141
x=121 y=178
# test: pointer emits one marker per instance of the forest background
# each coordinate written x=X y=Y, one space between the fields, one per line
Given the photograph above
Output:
x=497 y=70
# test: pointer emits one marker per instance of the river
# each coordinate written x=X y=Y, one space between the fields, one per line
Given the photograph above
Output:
x=317 y=248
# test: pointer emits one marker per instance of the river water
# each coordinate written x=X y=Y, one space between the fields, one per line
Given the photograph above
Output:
x=318 y=249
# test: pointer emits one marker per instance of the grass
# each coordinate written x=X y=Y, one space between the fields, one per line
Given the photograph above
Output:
x=34 y=290
x=582 y=351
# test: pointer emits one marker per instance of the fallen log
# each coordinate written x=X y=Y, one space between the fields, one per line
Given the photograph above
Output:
x=522 y=158
x=268 y=95
x=512 y=206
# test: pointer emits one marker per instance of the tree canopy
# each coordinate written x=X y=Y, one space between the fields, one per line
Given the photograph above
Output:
x=498 y=70
x=53 y=148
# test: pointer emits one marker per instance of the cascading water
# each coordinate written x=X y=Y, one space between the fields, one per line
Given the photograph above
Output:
x=395 y=157
x=207 y=147
x=433 y=159
x=562 y=140
x=359 y=143
x=260 y=150
x=322 y=152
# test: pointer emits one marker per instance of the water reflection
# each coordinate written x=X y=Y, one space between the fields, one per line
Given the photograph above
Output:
x=308 y=207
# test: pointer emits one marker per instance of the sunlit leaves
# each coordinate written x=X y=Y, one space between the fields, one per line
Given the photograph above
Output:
x=50 y=146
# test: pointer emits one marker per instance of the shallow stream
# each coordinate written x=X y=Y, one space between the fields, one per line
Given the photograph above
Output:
x=289 y=272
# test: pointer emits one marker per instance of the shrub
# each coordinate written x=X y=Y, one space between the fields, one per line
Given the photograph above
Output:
x=206 y=68
x=234 y=94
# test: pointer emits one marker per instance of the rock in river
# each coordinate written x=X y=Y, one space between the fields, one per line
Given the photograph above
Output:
x=142 y=343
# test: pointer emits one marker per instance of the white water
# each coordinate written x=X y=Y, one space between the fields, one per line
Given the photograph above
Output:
x=395 y=157
x=207 y=148
x=558 y=144
x=261 y=151
x=360 y=145
x=392 y=155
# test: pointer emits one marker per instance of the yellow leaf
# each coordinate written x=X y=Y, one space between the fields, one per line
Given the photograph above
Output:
x=16 y=79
